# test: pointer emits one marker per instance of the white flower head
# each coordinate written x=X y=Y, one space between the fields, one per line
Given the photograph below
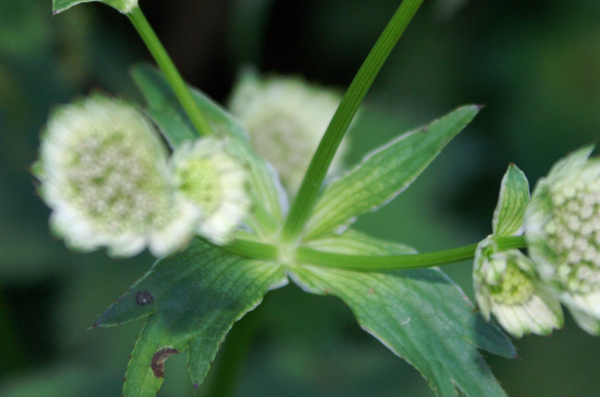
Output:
x=507 y=287
x=215 y=182
x=562 y=227
x=286 y=119
x=103 y=171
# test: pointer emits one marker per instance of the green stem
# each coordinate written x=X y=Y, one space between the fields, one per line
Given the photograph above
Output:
x=369 y=263
x=306 y=198
x=163 y=60
x=397 y=262
x=253 y=249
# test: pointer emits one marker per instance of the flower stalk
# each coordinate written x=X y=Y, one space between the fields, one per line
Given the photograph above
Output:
x=368 y=263
x=139 y=21
x=313 y=180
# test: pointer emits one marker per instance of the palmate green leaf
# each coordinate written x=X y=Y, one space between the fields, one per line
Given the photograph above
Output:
x=267 y=194
x=509 y=214
x=124 y=6
x=384 y=173
x=191 y=300
x=418 y=314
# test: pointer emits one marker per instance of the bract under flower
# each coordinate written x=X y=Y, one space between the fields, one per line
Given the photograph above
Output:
x=505 y=281
x=562 y=227
x=214 y=181
x=286 y=119
x=103 y=171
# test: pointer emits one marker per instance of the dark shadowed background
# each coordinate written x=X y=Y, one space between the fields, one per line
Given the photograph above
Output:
x=535 y=64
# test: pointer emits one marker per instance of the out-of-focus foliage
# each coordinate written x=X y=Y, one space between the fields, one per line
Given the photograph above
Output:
x=536 y=65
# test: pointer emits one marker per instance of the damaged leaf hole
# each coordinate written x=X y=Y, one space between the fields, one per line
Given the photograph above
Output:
x=158 y=361
x=144 y=298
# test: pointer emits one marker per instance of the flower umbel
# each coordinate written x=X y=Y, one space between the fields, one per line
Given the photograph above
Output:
x=286 y=119
x=103 y=171
x=507 y=286
x=562 y=228
x=214 y=181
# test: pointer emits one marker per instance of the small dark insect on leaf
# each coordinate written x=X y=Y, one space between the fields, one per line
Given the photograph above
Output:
x=144 y=297
x=158 y=361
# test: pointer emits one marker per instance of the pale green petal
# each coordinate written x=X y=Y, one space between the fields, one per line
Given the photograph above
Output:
x=585 y=309
x=586 y=322
x=565 y=167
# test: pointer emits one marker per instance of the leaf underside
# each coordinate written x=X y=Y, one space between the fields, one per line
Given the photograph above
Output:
x=191 y=300
x=418 y=314
x=384 y=173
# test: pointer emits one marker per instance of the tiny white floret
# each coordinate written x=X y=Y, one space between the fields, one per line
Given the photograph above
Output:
x=562 y=227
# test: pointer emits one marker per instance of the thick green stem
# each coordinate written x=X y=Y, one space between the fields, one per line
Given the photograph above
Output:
x=307 y=195
x=368 y=263
x=168 y=68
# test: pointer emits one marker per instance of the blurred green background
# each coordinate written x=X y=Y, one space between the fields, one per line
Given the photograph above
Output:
x=535 y=64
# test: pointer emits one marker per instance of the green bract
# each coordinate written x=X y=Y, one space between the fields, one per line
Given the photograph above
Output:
x=124 y=6
x=562 y=227
x=505 y=282
x=384 y=173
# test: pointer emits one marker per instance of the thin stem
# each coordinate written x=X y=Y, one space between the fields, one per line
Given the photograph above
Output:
x=168 y=68
x=398 y=262
x=306 y=198
x=369 y=263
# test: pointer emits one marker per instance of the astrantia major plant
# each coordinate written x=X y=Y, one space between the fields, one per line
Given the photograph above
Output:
x=107 y=178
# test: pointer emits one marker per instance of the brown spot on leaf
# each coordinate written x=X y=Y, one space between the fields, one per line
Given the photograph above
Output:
x=144 y=297
x=158 y=361
x=371 y=290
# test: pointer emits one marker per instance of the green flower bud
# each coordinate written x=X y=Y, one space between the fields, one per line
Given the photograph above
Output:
x=214 y=181
x=103 y=171
x=286 y=119
x=507 y=286
x=562 y=227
